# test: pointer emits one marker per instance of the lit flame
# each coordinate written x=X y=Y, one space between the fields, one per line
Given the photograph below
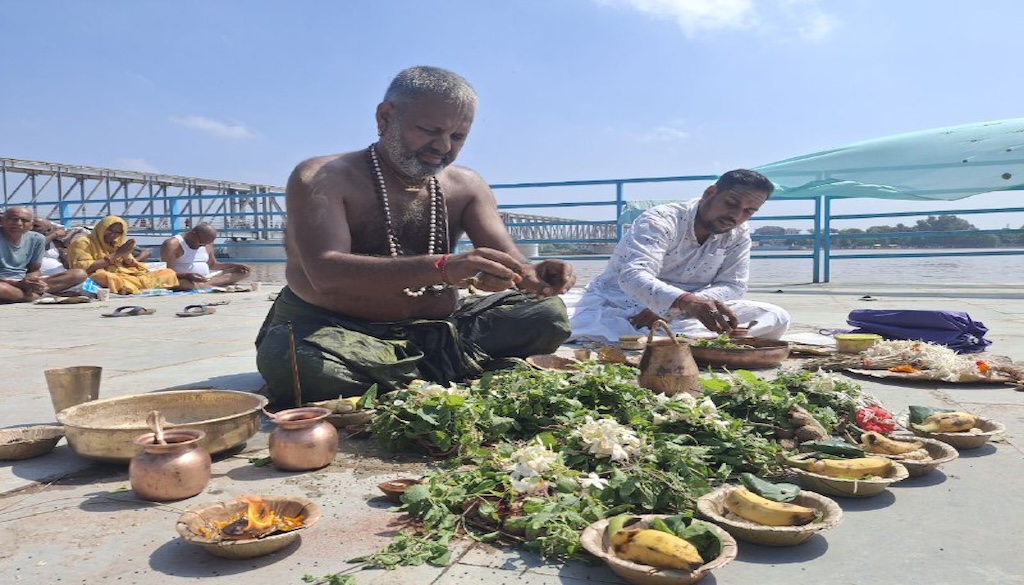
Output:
x=257 y=520
x=259 y=517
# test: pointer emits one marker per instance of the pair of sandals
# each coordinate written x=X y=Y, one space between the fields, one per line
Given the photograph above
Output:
x=190 y=310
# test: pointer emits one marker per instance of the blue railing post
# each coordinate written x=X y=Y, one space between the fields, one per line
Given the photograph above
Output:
x=827 y=232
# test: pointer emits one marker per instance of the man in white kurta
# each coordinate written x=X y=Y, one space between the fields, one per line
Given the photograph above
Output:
x=686 y=263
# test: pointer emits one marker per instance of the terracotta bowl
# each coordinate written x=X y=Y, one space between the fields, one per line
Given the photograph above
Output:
x=984 y=429
x=190 y=526
x=712 y=507
x=30 y=441
x=849 y=488
x=595 y=540
x=394 y=488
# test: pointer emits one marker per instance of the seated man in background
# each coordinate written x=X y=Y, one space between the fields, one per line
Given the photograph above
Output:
x=21 y=258
x=192 y=258
x=687 y=264
x=107 y=255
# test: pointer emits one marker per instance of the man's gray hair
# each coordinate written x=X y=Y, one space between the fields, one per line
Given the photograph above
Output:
x=419 y=81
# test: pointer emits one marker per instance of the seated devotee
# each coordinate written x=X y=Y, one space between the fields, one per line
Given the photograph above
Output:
x=21 y=258
x=687 y=264
x=106 y=255
x=192 y=258
x=55 y=254
x=373 y=286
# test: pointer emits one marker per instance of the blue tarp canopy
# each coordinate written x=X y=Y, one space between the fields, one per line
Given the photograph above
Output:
x=943 y=164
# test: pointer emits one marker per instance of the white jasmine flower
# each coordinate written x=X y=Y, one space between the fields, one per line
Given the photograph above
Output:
x=531 y=486
x=822 y=382
x=424 y=388
x=707 y=407
x=684 y=397
x=607 y=438
x=532 y=460
x=398 y=402
x=592 y=481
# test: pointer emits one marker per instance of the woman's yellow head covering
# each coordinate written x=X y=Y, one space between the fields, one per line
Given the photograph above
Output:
x=101 y=228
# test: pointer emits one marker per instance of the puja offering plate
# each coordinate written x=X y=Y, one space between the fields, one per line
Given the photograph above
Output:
x=25 y=442
x=597 y=543
x=938 y=453
x=983 y=430
x=762 y=353
x=249 y=526
x=105 y=429
x=394 y=488
x=553 y=362
x=712 y=507
x=849 y=488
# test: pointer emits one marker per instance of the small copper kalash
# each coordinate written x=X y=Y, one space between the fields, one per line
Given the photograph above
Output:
x=304 y=440
x=171 y=464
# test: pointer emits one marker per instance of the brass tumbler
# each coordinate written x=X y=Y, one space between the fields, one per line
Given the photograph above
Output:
x=72 y=386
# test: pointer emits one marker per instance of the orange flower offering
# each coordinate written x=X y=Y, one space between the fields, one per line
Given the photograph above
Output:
x=904 y=368
x=983 y=367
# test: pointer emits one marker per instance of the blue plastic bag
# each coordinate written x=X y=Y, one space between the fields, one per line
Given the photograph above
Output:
x=953 y=329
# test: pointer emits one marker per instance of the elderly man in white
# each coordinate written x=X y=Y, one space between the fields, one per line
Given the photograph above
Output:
x=687 y=264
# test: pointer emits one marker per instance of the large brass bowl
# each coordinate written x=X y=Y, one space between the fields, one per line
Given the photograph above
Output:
x=104 y=429
x=763 y=353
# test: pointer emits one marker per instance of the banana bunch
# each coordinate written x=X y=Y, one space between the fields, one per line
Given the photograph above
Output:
x=856 y=468
x=879 y=444
x=655 y=548
x=750 y=506
x=947 y=422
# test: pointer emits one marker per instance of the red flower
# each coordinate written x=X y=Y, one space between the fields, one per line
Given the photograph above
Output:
x=875 y=418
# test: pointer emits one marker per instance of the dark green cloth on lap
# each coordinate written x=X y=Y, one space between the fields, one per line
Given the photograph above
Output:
x=342 y=356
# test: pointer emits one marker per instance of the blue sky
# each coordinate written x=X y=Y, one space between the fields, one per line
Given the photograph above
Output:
x=570 y=89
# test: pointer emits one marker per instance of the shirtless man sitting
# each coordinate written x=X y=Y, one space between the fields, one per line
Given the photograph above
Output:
x=373 y=285
x=192 y=257
x=21 y=259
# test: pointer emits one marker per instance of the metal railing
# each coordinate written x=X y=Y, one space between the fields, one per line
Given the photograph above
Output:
x=563 y=219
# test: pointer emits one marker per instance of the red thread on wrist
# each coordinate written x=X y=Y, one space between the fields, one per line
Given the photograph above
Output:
x=441 y=265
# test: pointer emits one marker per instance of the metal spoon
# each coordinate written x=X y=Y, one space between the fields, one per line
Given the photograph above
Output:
x=156 y=422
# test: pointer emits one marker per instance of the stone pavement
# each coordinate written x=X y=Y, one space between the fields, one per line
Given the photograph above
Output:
x=66 y=520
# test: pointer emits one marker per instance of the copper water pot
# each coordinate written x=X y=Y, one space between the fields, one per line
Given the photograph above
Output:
x=303 y=439
x=667 y=366
x=176 y=469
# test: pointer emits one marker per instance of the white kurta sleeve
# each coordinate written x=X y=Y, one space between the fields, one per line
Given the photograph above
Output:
x=640 y=256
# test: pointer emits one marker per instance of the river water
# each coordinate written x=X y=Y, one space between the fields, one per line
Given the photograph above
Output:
x=925 y=271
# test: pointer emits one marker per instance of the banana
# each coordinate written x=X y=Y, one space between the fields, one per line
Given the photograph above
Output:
x=655 y=548
x=947 y=422
x=750 y=506
x=858 y=468
x=873 y=442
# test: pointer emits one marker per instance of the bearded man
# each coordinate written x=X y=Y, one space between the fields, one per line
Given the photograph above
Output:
x=685 y=263
x=373 y=283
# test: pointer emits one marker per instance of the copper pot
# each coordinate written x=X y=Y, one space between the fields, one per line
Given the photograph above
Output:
x=303 y=439
x=176 y=469
x=667 y=366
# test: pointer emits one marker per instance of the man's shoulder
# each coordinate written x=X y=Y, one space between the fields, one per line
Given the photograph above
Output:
x=463 y=179
x=35 y=239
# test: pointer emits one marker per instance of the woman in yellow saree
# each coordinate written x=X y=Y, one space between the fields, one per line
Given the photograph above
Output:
x=115 y=269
